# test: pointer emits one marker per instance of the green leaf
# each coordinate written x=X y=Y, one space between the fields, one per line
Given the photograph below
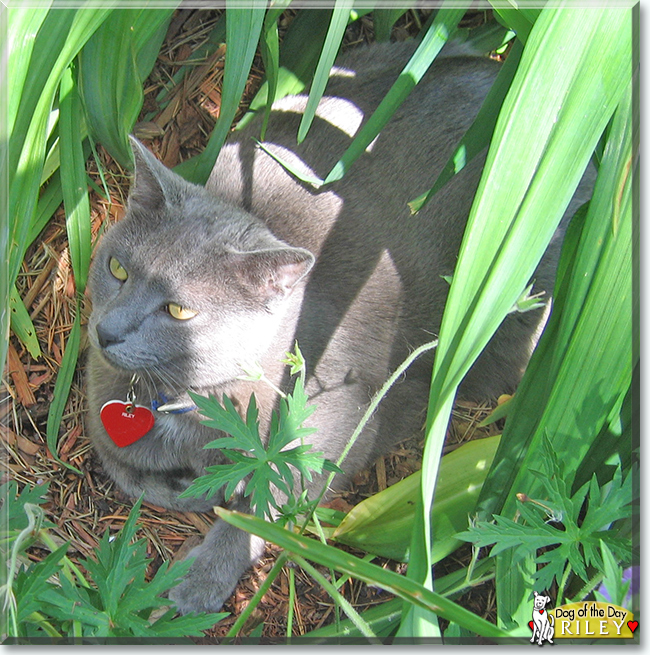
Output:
x=590 y=331
x=49 y=201
x=62 y=34
x=365 y=571
x=110 y=85
x=12 y=514
x=518 y=19
x=243 y=28
x=31 y=583
x=227 y=419
x=270 y=49
x=296 y=169
x=440 y=31
x=22 y=325
x=124 y=601
x=383 y=21
x=478 y=136
x=25 y=23
x=74 y=180
x=340 y=17
x=576 y=543
x=612 y=579
x=62 y=388
x=268 y=466
x=383 y=523
x=299 y=52
x=557 y=108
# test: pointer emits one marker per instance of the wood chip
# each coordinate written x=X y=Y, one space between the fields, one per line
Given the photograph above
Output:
x=27 y=446
x=19 y=378
x=8 y=435
x=36 y=287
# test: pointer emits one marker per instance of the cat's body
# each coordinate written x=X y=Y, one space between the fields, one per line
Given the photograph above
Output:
x=374 y=293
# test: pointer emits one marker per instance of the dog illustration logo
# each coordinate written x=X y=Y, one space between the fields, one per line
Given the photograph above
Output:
x=543 y=624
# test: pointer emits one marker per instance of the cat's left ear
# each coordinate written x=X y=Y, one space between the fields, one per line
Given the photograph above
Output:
x=272 y=274
x=153 y=180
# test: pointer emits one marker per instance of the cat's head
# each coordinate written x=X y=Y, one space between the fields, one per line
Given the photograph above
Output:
x=186 y=287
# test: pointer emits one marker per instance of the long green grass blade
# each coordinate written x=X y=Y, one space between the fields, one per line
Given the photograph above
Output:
x=48 y=203
x=243 y=28
x=365 y=571
x=299 y=53
x=73 y=176
x=383 y=618
x=110 y=79
x=62 y=34
x=270 y=48
x=518 y=19
x=590 y=334
x=520 y=203
x=62 y=388
x=340 y=600
x=340 y=17
x=438 y=34
x=149 y=32
x=477 y=138
x=562 y=97
x=24 y=24
x=383 y=21
x=22 y=325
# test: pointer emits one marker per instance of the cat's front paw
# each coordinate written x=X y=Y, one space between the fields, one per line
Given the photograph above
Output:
x=194 y=594
x=219 y=562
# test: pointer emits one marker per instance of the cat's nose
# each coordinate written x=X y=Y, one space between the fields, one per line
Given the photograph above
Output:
x=106 y=337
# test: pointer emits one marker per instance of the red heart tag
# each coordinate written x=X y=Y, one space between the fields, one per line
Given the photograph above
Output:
x=531 y=625
x=541 y=611
x=632 y=625
x=123 y=427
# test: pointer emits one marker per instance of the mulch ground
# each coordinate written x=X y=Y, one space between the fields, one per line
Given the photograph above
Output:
x=84 y=507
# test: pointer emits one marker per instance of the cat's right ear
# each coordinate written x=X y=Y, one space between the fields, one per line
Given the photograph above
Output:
x=148 y=188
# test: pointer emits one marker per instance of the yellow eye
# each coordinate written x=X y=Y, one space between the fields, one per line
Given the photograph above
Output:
x=181 y=313
x=117 y=269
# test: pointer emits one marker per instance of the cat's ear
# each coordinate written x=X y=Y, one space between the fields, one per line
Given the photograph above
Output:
x=152 y=179
x=273 y=273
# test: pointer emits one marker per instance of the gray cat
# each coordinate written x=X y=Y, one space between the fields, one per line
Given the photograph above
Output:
x=195 y=285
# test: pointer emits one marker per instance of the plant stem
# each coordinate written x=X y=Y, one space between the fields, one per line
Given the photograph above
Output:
x=565 y=577
x=340 y=600
x=39 y=619
x=379 y=396
x=588 y=588
x=321 y=535
x=70 y=570
x=292 y=600
x=270 y=578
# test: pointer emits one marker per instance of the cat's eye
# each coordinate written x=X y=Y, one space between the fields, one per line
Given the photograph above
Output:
x=181 y=313
x=117 y=269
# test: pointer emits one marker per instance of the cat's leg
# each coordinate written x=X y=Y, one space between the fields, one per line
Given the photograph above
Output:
x=219 y=563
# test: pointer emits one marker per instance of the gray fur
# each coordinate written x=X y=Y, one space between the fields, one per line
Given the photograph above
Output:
x=242 y=253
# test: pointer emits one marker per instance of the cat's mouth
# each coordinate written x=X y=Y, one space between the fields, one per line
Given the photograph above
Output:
x=118 y=362
x=120 y=358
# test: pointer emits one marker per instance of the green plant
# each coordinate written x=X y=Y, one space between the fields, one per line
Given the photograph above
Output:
x=561 y=520
x=52 y=599
x=268 y=463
